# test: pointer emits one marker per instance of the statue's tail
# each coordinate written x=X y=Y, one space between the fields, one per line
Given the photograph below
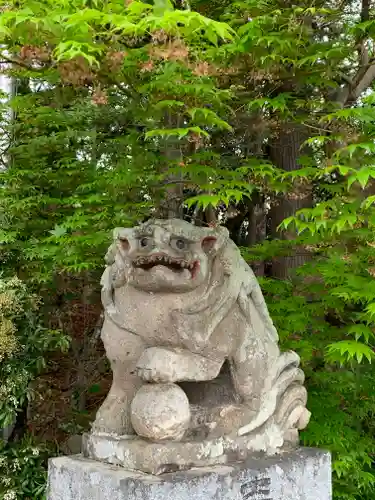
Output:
x=285 y=401
x=292 y=414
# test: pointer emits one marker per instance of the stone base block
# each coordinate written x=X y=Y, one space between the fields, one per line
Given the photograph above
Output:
x=135 y=453
x=304 y=474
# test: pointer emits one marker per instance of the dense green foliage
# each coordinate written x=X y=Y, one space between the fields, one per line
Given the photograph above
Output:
x=23 y=470
x=24 y=344
x=258 y=115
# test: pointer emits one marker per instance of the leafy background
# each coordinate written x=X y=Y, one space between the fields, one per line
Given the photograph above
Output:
x=255 y=115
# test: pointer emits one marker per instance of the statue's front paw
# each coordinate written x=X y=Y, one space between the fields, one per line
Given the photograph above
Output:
x=157 y=365
x=162 y=365
x=154 y=374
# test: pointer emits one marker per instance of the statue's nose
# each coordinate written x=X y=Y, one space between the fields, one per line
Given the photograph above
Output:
x=156 y=249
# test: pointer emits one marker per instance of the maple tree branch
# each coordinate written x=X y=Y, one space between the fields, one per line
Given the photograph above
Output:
x=363 y=83
x=365 y=76
x=354 y=87
x=8 y=60
x=366 y=71
x=363 y=51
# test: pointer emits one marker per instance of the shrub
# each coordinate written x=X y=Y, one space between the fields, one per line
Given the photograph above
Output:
x=24 y=343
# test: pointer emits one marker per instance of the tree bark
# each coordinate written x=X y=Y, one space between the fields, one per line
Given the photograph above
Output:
x=171 y=203
x=256 y=232
x=284 y=153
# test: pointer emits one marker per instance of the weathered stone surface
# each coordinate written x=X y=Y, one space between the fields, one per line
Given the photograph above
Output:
x=303 y=474
x=175 y=365
x=181 y=306
x=134 y=453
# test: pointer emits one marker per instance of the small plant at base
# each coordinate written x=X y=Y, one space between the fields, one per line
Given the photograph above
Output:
x=23 y=470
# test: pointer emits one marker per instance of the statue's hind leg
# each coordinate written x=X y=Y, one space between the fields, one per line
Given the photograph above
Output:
x=251 y=368
x=123 y=349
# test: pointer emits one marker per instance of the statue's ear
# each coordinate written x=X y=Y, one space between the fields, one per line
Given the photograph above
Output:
x=209 y=243
x=122 y=237
x=214 y=239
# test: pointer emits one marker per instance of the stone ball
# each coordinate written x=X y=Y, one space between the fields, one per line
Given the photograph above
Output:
x=160 y=412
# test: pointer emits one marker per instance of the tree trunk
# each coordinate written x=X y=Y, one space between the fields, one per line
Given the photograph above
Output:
x=171 y=203
x=256 y=232
x=285 y=151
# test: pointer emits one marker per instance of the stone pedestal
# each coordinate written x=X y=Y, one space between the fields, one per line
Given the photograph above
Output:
x=304 y=474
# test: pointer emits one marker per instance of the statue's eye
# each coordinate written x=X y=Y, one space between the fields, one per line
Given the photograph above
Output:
x=145 y=242
x=179 y=244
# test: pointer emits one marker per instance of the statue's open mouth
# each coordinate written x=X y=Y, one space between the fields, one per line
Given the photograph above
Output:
x=175 y=265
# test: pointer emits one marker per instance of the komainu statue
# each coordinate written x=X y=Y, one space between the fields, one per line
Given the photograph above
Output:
x=198 y=377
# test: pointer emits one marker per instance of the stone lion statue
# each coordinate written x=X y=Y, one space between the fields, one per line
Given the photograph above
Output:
x=193 y=350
